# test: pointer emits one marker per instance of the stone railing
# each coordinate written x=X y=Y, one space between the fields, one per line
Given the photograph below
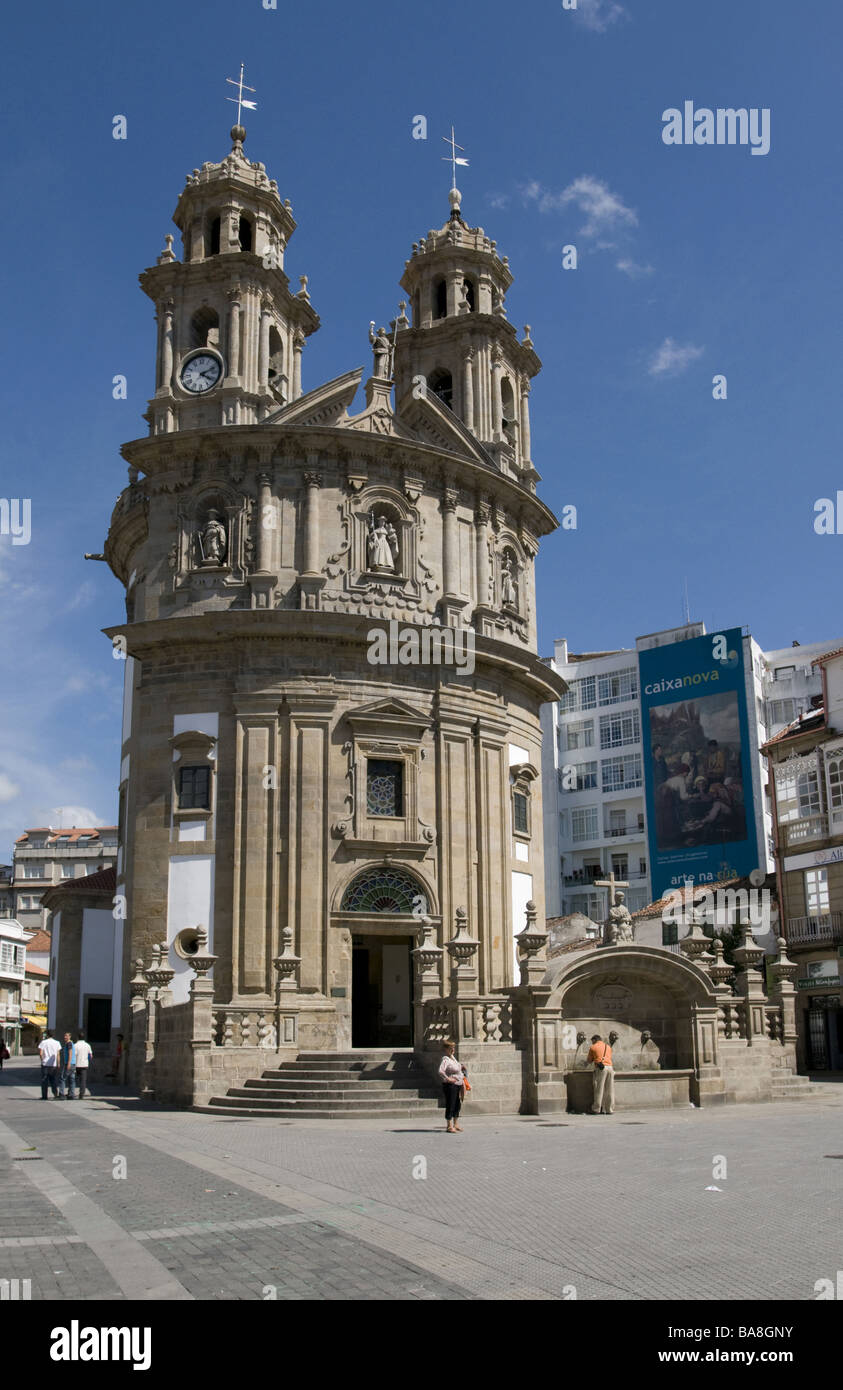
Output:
x=245 y=1025
x=487 y=1019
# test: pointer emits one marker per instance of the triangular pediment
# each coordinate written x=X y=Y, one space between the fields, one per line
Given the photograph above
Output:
x=431 y=422
x=326 y=405
x=390 y=713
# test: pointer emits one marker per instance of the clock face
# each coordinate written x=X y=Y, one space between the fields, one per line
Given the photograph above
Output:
x=201 y=373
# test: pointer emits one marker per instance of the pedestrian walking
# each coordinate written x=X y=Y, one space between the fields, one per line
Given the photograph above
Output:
x=600 y=1055
x=48 y=1051
x=83 y=1061
x=67 y=1068
x=452 y=1076
x=5 y=1054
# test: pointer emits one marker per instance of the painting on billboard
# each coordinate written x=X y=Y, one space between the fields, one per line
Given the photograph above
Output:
x=697 y=764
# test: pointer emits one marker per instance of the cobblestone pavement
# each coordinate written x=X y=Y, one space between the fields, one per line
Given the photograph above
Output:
x=631 y=1206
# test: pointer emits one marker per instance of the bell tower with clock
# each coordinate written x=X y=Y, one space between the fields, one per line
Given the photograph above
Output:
x=230 y=331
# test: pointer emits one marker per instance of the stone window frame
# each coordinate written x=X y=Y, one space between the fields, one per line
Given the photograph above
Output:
x=521 y=778
x=192 y=748
x=392 y=732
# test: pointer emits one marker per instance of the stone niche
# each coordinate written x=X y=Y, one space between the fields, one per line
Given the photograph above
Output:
x=630 y=1006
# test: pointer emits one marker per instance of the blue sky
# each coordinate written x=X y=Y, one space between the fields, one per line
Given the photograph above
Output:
x=693 y=261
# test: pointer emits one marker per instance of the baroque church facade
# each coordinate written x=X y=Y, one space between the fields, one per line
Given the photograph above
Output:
x=348 y=845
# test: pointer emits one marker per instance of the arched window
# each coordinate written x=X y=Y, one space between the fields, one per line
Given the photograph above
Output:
x=214 y=238
x=440 y=299
x=277 y=380
x=468 y=292
x=245 y=234
x=441 y=384
x=508 y=409
x=205 y=328
x=384 y=890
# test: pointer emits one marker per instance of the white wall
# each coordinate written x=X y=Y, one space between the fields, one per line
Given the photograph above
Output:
x=522 y=892
x=96 y=969
x=55 y=963
x=190 y=903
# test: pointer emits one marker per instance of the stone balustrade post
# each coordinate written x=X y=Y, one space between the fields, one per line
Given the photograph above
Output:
x=287 y=966
x=428 y=958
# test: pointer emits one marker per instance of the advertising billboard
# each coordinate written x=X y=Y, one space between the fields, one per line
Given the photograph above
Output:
x=697 y=770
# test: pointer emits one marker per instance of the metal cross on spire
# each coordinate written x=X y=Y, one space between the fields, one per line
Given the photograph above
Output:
x=240 y=99
x=453 y=158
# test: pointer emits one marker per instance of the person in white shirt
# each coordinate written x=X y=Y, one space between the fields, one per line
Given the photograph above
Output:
x=48 y=1051
x=83 y=1061
x=452 y=1076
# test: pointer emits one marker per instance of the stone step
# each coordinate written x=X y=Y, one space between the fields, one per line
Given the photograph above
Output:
x=394 y=1112
x=240 y=1096
x=309 y=1072
x=270 y=1081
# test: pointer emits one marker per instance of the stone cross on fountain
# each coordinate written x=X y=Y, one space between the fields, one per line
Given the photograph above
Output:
x=617 y=928
x=611 y=883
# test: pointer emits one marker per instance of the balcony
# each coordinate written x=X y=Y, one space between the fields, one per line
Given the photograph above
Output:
x=800 y=832
x=822 y=930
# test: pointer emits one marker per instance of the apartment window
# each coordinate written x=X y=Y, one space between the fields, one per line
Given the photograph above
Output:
x=620 y=774
x=784 y=673
x=797 y=793
x=33 y=870
x=782 y=711
x=834 y=772
x=617 y=823
x=584 y=823
x=816 y=891
x=620 y=865
x=384 y=787
x=194 y=788
x=586 y=774
x=67 y=871
x=621 y=685
x=581 y=734
x=670 y=933
x=642 y=867
x=618 y=729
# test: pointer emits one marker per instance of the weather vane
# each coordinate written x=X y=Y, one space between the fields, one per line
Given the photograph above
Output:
x=240 y=99
x=453 y=158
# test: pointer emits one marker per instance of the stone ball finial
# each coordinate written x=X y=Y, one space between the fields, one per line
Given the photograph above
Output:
x=455 y=199
x=238 y=133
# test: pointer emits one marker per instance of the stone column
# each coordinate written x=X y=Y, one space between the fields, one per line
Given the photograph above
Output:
x=462 y=949
x=468 y=390
x=455 y=280
x=497 y=404
x=138 y=987
x=450 y=543
x=525 y=420
x=298 y=344
x=428 y=962
x=256 y=843
x=234 y=333
x=311 y=721
x=263 y=360
x=167 y=347
x=263 y=550
x=313 y=482
x=482 y=517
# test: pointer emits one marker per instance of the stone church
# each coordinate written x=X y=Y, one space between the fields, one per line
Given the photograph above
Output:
x=330 y=801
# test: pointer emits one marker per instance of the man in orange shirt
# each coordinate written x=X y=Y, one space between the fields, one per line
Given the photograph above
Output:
x=600 y=1056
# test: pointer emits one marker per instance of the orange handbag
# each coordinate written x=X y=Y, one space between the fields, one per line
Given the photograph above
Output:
x=466 y=1083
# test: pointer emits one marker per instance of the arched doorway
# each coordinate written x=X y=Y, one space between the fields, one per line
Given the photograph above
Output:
x=381 y=907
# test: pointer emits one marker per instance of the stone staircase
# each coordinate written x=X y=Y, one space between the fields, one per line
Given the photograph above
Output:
x=787 y=1085
x=361 y=1085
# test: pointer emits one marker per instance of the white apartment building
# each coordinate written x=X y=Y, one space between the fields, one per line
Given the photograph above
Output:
x=45 y=856
x=13 y=939
x=593 y=774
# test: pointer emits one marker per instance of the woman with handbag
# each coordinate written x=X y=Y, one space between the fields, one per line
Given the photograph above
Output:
x=454 y=1084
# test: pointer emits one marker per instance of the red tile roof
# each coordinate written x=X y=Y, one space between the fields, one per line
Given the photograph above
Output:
x=40 y=941
x=36 y=970
x=104 y=882
x=75 y=832
x=827 y=656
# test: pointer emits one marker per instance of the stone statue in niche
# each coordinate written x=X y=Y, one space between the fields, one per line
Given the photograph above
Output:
x=509 y=592
x=213 y=541
x=383 y=545
x=619 y=923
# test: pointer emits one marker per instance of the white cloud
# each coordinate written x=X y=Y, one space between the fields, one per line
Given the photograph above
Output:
x=672 y=358
x=65 y=817
x=598 y=15
x=632 y=268
x=605 y=212
x=498 y=200
x=8 y=789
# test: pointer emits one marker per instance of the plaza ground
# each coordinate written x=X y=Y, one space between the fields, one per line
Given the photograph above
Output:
x=612 y=1207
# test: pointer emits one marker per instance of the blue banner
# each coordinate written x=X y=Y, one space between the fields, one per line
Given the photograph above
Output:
x=697 y=769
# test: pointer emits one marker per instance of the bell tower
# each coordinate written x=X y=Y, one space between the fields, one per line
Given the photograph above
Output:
x=230 y=331
x=461 y=343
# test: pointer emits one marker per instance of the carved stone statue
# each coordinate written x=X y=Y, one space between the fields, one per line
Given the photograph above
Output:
x=382 y=350
x=619 y=923
x=213 y=541
x=509 y=593
x=383 y=545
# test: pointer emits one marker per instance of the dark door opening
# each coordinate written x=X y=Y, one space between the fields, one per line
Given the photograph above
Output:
x=98 y=1021
x=381 y=991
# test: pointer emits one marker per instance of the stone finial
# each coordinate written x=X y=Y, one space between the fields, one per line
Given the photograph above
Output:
x=526 y=341
x=303 y=294
x=138 y=985
x=287 y=964
x=168 y=254
x=202 y=960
